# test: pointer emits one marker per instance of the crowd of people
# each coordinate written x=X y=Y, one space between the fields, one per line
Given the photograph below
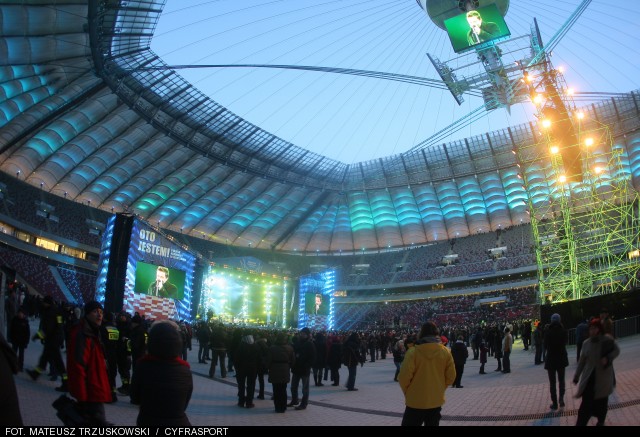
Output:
x=150 y=358
x=514 y=304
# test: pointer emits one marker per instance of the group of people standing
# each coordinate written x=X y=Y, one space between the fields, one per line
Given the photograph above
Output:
x=161 y=382
x=429 y=368
x=292 y=361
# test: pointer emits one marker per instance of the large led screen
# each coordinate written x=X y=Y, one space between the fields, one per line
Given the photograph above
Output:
x=159 y=281
x=238 y=296
x=474 y=28
x=149 y=273
x=316 y=300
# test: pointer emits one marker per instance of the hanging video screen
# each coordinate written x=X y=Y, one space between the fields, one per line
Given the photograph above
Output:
x=474 y=28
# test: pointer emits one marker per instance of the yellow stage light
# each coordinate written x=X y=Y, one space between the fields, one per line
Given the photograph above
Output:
x=554 y=149
x=580 y=115
x=546 y=123
x=588 y=142
x=562 y=179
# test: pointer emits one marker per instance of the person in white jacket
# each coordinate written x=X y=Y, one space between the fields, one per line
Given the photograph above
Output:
x=594 y=374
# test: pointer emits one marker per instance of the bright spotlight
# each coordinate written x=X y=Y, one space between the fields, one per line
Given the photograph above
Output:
x=580 y=115
x=588 y=142
x=562 y=179
x=554 y=149
x=598 y=169
x=546 y=123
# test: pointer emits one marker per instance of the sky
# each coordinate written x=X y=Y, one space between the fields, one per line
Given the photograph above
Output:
x=353 y=118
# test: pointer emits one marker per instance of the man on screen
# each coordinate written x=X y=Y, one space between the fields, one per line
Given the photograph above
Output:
x=480 y=31
x=161 y=287
x=318 y=304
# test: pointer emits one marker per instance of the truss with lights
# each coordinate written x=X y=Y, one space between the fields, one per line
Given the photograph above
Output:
x=584 y=211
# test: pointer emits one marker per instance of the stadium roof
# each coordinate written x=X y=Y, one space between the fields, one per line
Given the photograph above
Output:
x=89 y=112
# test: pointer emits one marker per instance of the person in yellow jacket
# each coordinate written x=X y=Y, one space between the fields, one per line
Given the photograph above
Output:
x=426 y=372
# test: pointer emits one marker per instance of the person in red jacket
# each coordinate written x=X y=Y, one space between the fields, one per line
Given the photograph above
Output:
x=86 y=366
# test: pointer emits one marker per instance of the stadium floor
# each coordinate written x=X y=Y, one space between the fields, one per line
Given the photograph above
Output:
x=520 y=398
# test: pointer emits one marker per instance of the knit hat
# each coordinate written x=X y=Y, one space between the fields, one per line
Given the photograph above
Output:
x=281 y=338
x=555 y=318
x=165 y=339
x=91 y=306
x=596 y=322
x=429 y=329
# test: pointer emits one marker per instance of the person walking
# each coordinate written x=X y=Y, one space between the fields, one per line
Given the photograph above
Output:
x=594 y=374
x=426 y=372
x=483 y=356
x=86 y=365
x=555 y=341
x=51 y=333
x=460 y=354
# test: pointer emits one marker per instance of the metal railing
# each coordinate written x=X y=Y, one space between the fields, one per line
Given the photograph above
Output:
x=621 y=328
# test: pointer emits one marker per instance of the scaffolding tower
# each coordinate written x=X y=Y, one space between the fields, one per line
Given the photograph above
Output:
x=583 y=208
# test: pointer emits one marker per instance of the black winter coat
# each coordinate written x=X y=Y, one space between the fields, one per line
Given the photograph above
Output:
x=9 y=407
x=459 y=352
x=555 y=343
x=162 y=388
x=280 y=359
x=20 y=332
x=247 y=358
x=305 y=352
